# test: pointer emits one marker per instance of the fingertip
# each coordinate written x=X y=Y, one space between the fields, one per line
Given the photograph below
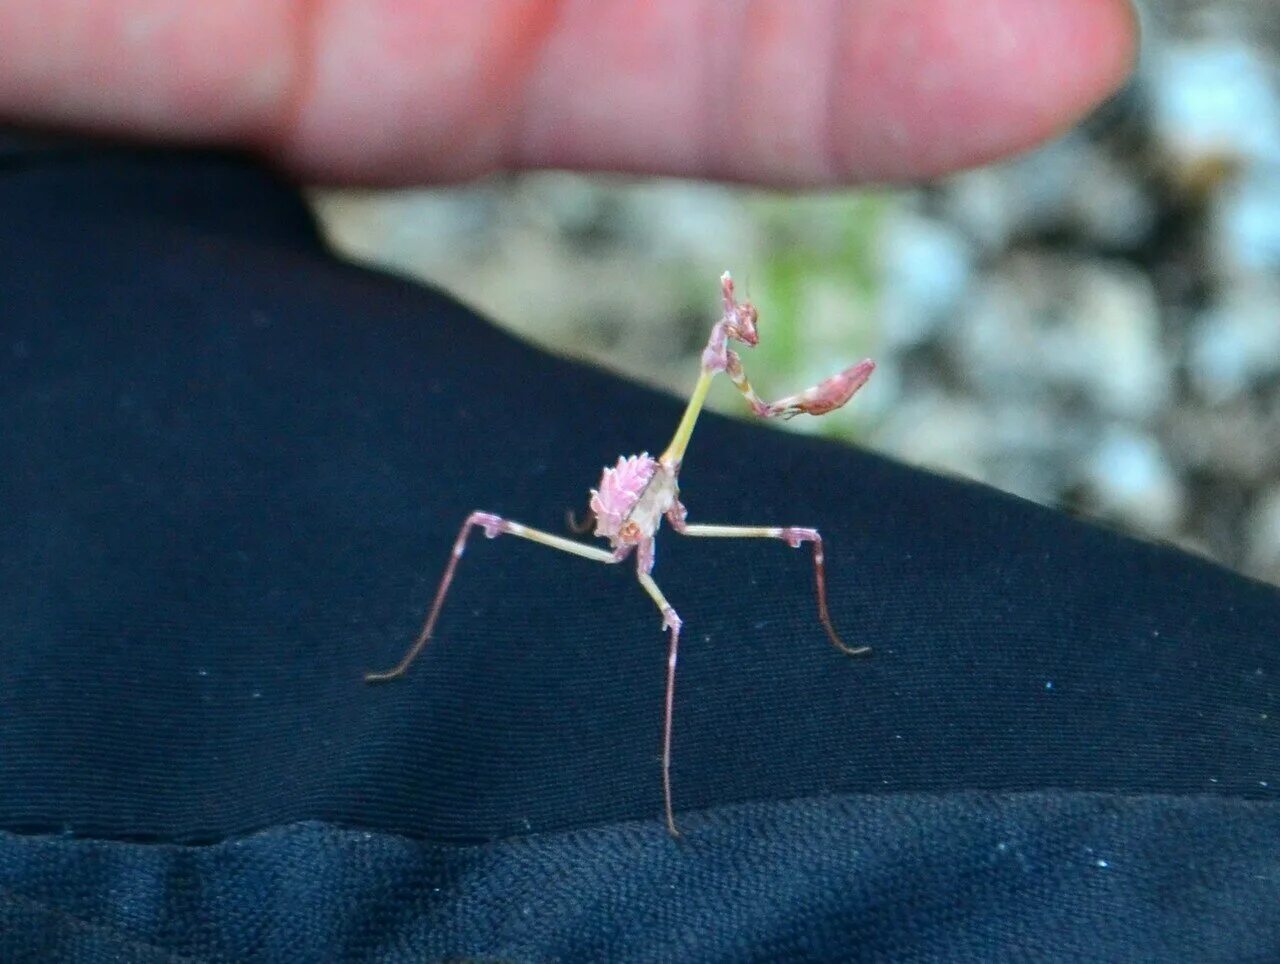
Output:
x=920 y=95
x=1103 y=35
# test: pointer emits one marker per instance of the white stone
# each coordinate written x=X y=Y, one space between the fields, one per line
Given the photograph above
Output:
x=1215 y=97
x=1236 y=342
x=1130 y=477
x=925 y=267
x=1244 y=228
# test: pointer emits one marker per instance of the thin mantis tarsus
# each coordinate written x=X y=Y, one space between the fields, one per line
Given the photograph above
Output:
x=639 y=491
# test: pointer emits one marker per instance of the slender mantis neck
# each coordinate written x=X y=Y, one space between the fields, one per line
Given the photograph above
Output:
x=674 y=454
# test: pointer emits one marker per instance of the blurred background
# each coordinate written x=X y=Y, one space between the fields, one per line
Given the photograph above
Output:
x=1095 y=326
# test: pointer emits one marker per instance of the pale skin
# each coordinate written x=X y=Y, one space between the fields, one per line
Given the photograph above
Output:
x=826 y=92
x=635 y=496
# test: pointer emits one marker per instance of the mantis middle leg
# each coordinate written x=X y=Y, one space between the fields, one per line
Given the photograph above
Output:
x=670 y=621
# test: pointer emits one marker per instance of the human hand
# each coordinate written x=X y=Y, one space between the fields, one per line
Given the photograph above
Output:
x=380 y=91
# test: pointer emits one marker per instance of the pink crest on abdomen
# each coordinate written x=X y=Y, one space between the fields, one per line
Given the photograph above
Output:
x=620 y=490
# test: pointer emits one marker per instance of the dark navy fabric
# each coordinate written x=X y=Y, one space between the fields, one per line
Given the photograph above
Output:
x=890 y=877
x=231 y=469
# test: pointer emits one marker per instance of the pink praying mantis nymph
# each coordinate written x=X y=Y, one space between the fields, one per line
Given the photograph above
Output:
x=635 y=495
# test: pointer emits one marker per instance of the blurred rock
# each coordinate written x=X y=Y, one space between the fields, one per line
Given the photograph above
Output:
x=1214 y=96
x=1090 y=326
x=1071 y=183
x=1110 y=340
x=978 y=203
x=690 y=223
x=1239 y=441
x=1263 y=534
x=997 y=337
x=942 y=432
x=409 y=230
x=1130 y=477
x=1245 y=237
x=926 y=266
x=1235 y=344
x=1110 y=204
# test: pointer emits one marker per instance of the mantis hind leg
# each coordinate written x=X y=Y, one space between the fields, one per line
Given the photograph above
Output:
x=794 y=536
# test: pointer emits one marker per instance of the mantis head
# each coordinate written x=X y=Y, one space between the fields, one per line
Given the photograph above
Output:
x=739 y=317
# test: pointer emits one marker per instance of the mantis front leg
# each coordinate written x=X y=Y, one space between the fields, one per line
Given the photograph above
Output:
x=738 y=323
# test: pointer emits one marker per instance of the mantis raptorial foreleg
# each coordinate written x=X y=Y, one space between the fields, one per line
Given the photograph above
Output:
x=824 y=397
x=493 y=526
x=738 y=323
